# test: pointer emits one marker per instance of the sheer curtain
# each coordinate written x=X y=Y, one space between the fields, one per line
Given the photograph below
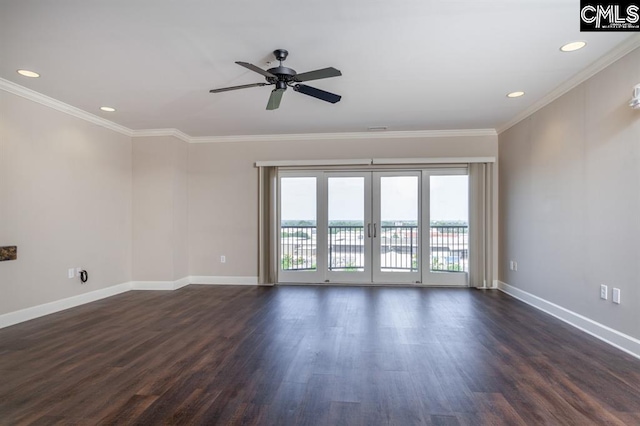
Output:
x=481 y=225
x=267 y=226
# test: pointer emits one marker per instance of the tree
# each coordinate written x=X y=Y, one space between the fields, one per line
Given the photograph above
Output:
x=286 y=262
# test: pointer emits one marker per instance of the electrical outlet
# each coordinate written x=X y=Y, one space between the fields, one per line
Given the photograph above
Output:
x=511 y=265
x=78 y=271
x=223 y=259
x=616 y=295
x=603 y=292
x=71 y=272
x=515 y=266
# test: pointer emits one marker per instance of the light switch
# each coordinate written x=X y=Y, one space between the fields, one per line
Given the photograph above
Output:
x=616 y=295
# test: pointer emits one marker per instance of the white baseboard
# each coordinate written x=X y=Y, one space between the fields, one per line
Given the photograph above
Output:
x=160 y=285
x=151 y=285
x=33 y=312
x=622 y=341
x=182 y=282
x=212 y=280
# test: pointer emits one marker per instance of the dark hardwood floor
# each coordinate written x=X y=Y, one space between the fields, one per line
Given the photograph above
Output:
x=312 y=355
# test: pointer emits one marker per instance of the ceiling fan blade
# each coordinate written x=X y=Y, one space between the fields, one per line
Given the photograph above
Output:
x=255 y=69
x=317 y=93
x=275 y=98
x=244 y=86
x=318 y=74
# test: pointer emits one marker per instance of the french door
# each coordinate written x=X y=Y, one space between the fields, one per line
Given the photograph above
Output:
x=445 y=198
x=358 y=227
x=372 y=227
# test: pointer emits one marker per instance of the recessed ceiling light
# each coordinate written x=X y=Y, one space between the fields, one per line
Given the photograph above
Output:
x=575 y=45
x=28 y=73
x=515 y=94
x=108 y=109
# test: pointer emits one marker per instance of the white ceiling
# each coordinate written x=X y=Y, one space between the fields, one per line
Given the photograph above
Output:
x=406 y=64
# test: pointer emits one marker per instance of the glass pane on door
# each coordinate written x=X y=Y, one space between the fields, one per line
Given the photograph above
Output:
x=398 y=225
x=346 y=220
x=298 y=224
x=449 y=231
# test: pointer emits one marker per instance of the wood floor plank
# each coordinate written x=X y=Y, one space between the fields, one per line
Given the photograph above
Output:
x=312 y=356
x=345 y=413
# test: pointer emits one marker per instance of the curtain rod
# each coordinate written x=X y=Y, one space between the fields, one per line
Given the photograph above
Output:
x=376 y=161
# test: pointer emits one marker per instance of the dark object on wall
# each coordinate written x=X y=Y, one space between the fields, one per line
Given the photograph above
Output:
x=283 y=77
x=8 y=253
x=84 y=276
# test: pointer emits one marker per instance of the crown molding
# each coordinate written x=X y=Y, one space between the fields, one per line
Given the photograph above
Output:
x=346 y=136
x=604 y=61
x=32 y=95
x=161 y=132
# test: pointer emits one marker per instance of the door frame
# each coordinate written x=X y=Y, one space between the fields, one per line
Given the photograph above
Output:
x=429 y=277
x=292 y=276
x=378 y=275
x=354 y=277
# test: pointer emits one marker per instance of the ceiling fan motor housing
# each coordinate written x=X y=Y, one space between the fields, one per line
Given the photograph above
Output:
x=281 y=74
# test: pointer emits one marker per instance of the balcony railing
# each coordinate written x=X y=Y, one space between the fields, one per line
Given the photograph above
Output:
x=298 y=248
x=449 y=248
x=346 y=248
x=398 y=248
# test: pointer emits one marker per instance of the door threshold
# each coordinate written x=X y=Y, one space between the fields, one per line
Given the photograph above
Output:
x=353 y=284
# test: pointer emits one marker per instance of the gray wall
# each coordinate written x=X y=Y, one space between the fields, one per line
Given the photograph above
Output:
x=160 y=250
x=65 y=201
x=570 y=199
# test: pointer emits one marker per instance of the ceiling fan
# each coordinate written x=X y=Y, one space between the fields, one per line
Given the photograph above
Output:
x=283 y=77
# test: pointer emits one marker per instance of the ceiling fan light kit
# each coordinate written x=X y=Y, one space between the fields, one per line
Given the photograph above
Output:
x=282 y=77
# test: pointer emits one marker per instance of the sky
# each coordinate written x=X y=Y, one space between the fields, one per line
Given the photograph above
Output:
x=399 y=198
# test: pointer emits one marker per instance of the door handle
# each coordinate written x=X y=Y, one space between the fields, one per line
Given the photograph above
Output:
x=375 y=232
x=369 y=230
